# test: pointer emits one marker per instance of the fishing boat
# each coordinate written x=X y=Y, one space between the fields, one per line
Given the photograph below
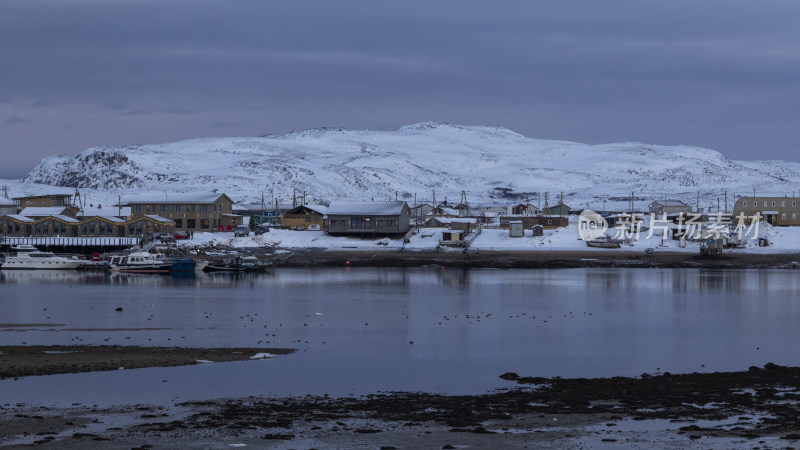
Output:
x=139 y=262
x=603 y=242
x=183 y=265
x=28 y=257
x=239 y=263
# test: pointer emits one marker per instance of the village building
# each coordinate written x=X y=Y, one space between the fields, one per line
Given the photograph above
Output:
x=305 y=217
x=668 y=207
x=778 y=211
x=266 y=213
x=558 y=210
x=189 y=212
x=515 y=228
x=44 y=200
x=523 y=209
x=466 y=224
x=8 y=206
x=388 y=218
x=420 y=212
x=528 y=222
x=18 y=225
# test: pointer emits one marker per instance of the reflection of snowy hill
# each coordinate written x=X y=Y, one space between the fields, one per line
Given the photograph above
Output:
x=492 y=164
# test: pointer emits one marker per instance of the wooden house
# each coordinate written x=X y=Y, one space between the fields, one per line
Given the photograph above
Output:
x=44 y=200
x=8 y=206
x=190 y=212
x=661 y=207
x=388 y=218
x=560 y=209
x=304 y=216
x=778 y=211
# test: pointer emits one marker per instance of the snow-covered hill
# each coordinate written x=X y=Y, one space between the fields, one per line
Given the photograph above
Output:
x=492 y=164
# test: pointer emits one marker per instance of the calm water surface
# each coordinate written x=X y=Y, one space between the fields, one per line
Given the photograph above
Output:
x=354 y=328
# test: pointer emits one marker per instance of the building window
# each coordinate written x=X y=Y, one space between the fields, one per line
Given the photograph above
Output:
x=744 y=203
x=178 y=223
x=783 y=216
x=204 y=208
x=794 y=216
x=91 y=228
x=190 y=223
x=794 y=203
x=765 y=203
x=773 y=203
x=380 y=223
x=176 y=208
x=164 y=208
x=194 y=208
x=783 y=203
x=204 y=224
x=390 y=223
x=136 y=208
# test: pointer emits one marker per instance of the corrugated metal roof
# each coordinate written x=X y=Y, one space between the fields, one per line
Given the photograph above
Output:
x=366 y=208
x=64 y=218
x=669 y=203
x=20 y=218
x=322 y=209
x=108 y=218
x=159 y=219
x=179 y=198
x=42 y=211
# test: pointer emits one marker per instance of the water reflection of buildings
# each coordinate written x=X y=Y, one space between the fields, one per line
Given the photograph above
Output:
x=52 y=277
x=454 y=276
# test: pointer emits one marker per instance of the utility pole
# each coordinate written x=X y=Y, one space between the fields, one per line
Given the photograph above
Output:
x=726 y=202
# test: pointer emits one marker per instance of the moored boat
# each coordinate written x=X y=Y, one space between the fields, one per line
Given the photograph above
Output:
x=603 y=242
x=139 y=262
x=28 y=257
x=239 y=263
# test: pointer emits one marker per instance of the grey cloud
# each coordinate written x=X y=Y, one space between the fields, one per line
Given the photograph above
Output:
x=717 y=74
x=15 y=119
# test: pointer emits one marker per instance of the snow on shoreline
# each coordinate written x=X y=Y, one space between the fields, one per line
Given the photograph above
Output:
x=783 y=240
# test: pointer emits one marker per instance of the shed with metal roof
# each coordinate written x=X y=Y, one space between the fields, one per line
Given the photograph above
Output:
x=369 y=218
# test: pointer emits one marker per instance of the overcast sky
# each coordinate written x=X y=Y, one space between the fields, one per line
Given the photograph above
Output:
x=79 y=74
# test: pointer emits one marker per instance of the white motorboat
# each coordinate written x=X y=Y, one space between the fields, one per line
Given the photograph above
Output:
x=139 y=262
x=28 y=257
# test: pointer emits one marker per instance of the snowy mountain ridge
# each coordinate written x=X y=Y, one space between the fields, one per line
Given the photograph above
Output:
x=492 y=164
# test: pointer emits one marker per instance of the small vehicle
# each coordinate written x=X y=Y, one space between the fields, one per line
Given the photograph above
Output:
x=165 y=238
x=313 y=227
x=180 y=235
x=241 y=231
x=261 y=229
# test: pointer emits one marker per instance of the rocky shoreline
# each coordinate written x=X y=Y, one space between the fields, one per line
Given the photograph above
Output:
x=526 y=259
x=757 y=407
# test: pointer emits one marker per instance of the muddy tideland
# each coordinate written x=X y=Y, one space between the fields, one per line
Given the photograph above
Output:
x=26 y=360
x=756 y=408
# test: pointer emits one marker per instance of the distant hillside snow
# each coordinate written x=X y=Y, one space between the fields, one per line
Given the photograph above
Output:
x=493 y=164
